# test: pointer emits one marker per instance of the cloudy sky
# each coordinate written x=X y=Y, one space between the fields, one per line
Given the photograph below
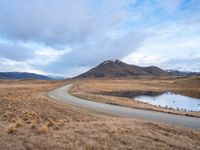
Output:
x=65 y=37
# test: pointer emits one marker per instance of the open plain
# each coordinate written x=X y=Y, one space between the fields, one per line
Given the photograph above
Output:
x=29 y=119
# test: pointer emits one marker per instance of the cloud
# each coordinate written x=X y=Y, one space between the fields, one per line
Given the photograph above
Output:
x=15 y=52
x=74 y=71
x=67 y=37
x=8 y=65
x=46 y=56
x=90 y=29
x=170 y=46
x=189 y=62
x=58 y=23
x=142 y=59
x=183 y=64
x=91 y=54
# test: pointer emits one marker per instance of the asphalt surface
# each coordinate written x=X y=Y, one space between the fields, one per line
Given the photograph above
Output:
x=62 y=94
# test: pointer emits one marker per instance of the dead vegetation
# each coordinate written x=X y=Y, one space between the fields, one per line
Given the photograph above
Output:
x=25 y=105
x=92 y=89
x=30 y=120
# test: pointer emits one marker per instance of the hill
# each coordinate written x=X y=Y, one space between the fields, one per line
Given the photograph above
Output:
x=22 y=75
x=188 y=82
x=117 y=69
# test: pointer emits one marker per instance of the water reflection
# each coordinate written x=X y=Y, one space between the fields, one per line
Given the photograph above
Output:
x=170 y=100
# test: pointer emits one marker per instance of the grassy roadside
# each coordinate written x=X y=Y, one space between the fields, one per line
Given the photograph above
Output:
x=88 y=88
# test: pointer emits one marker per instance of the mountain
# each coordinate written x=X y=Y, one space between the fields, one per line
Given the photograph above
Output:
x=56 y=77
x=117 y=69
x=183 y=73
x=22 y=75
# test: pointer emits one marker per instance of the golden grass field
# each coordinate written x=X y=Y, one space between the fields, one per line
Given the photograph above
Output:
x=91 y=89
x=31 y=120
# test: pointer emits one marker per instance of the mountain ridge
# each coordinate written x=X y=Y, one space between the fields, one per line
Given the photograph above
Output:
x=118 y=69
x=22 y=75
x=183 y=73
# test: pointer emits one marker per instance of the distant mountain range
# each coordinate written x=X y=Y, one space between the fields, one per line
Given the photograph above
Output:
x=118 y=69
x=22 y=75
x=182 y=73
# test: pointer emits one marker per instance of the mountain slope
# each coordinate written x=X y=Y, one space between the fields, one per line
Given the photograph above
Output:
x=22 y=75
x=155 y=71
x=117 y=69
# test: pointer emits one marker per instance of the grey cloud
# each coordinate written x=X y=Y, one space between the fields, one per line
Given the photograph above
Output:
x=57 y=23
x=81 y=25
x=94 y=53
x=15 y=52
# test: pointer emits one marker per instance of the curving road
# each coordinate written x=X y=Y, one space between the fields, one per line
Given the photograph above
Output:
x=63 y=95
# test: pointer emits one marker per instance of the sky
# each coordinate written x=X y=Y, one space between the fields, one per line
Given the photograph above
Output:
x=68 y=37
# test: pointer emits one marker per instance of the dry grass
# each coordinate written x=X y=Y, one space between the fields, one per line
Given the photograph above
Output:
x=88 y=89
x=11 y=128
x=30 y=120
x=44 y=129
x=24 y=104
x=18 y=123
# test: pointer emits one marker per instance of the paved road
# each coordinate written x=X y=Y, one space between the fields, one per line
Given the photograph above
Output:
x=63 y=95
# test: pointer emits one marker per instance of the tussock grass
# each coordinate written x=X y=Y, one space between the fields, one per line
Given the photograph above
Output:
x=18 y=123
x=30 y=120
x=92 y=89
x=44 y=129
x=11 y=128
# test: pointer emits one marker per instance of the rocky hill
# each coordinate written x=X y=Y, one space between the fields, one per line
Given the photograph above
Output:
x=117 y=69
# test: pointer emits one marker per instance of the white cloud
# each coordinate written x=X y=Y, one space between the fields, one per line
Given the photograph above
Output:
x=47 y=55
x=49 y=52
x=173 y=39
x=74 y=71
x=8 y=65
x=187 y=63
x=138 y=58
